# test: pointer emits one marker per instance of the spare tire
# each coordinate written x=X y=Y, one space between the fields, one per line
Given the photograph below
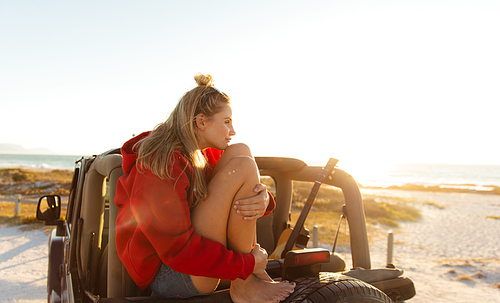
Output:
x=331 y=287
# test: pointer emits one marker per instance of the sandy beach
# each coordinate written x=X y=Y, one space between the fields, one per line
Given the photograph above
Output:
x=452 y=254
x=23 y=265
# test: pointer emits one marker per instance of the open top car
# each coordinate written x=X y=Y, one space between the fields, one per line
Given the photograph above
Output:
x=84 y=264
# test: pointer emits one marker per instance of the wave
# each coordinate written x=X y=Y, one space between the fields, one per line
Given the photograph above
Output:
x=453 y=188
x=38 y=161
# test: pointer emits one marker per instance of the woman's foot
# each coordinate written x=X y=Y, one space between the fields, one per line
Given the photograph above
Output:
x=264 y=276
x=255 y=289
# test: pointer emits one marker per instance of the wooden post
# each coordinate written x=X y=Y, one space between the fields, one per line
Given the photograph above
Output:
x=390 y=246
x=315 y=239
x=17 y=206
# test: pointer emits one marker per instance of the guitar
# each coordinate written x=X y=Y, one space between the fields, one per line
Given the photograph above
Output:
x=291 y=239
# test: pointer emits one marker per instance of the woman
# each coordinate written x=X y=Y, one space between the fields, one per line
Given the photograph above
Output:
x=188 y=205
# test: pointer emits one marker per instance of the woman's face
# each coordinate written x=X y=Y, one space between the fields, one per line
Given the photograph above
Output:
x=217 y=130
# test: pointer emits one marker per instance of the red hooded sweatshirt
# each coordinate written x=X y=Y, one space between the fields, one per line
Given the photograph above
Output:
x=154 y=225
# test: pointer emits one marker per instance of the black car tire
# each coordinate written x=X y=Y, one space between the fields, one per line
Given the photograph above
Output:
x=331 y=288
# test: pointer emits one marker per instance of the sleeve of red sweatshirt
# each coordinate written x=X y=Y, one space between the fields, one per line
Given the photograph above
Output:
x=162 y=212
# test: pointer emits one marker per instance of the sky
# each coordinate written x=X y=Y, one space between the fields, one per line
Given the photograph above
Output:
x=362 y=81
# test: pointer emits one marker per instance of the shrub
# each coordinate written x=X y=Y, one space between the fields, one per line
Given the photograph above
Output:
x=465 y=278
x=389 y=213
x=19 y=177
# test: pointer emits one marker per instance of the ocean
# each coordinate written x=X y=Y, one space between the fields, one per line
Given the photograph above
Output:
x=38 y=161
x=465 y=176
x=462 y=176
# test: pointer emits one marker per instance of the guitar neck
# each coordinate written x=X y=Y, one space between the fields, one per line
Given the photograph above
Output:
x=305 y=211
x=302 y=218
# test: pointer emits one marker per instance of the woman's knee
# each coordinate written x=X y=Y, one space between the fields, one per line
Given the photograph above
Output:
x=242 y=163
x=235 y=150
x=238 y=149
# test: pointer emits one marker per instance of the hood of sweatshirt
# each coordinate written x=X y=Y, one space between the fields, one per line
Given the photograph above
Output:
x=128 y=153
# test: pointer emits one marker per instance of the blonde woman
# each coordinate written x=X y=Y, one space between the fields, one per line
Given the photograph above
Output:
x=188 y=205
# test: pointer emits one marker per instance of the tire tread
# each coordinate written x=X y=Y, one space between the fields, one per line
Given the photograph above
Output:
x=335 y=288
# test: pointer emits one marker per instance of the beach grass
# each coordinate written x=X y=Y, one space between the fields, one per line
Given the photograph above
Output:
x=326 y=211
x=465 y=278
x=26 y=219
x=31 y=184
x=410 y=201
x=447 y=188
x=468 y=278
x=460 y=262
x=27 y=215
x=479 y=275
x=7 y=210
x=33 y=175
x=35 y=182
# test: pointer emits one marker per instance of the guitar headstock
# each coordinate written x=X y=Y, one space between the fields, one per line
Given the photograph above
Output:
x=327 y=169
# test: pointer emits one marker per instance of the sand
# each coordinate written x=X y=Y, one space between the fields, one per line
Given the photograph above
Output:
x=451 y=254
x=457 y=240
x=23 y=265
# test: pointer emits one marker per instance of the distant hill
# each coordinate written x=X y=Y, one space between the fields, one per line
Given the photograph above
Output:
x=6 y=148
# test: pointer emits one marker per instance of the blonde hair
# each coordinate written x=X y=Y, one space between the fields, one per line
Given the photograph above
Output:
x=178 y=133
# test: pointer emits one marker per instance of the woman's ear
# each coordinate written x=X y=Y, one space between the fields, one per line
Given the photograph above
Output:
x=200 y=121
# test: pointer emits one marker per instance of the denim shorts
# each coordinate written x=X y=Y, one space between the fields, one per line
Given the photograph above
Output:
x=168 y=283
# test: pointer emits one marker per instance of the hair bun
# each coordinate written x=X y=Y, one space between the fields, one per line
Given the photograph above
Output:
x=204 y=80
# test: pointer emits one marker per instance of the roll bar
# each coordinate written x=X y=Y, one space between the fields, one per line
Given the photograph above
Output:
x=286 y=170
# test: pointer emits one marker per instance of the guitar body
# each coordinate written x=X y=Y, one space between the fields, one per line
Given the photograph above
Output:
x=301 y=243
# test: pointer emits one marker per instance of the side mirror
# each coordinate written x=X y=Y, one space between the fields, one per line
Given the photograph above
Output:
x=49 y=208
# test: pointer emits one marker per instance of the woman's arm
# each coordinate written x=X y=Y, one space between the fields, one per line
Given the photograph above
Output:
x=257 y=206
x=163 y=215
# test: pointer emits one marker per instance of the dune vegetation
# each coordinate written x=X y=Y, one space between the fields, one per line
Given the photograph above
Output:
x=34 y=182
x=30 y=184
x=325 y=212
x=491 y=189
x=26 y=218
x=327 y=209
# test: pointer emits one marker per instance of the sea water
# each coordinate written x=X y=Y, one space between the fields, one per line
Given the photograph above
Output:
x=464 y=176
x=38 y=161
x=468 y=176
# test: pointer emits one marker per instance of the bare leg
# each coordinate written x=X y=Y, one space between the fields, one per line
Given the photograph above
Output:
x=235 y=177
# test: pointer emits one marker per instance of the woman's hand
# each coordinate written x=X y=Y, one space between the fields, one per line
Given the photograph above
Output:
x=260 y=255
x=254 y=207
